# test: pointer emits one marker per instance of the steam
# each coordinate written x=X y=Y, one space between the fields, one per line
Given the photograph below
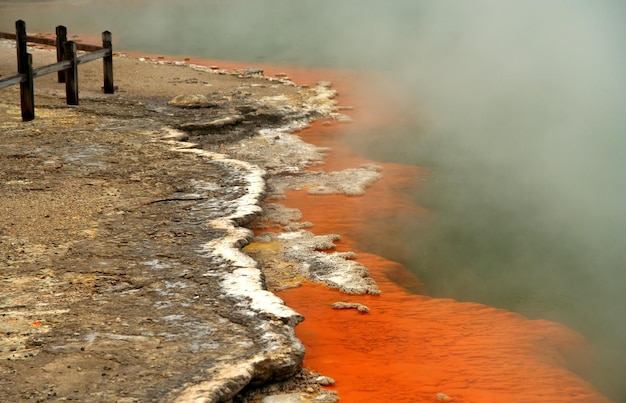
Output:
x=521 y=117
x=517 y=106
x=525 y=135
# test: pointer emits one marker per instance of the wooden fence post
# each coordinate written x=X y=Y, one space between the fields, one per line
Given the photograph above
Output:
x=71 y=74
x=107 y=63
x=25 y=66
x=60 y=44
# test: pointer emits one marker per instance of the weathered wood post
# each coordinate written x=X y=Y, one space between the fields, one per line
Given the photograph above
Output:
x=25 y=66
x=107 y=63
x=71 y=74
x=60 y=44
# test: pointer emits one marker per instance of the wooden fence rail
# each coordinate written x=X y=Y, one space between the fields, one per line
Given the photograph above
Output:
x=66 y=65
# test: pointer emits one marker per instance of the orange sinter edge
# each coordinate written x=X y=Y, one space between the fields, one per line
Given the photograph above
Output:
x=411 y=347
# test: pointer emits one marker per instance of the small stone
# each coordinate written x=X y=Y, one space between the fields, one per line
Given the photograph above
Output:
x=285 y=398
x=442 y=397
x=191 y=101
x=324 y=380
x=349 y=305
x=253 y=70
x=341 y=118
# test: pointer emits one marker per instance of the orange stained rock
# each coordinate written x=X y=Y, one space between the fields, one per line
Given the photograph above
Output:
x=409 y=347
x=413 y=348
x=373 y=218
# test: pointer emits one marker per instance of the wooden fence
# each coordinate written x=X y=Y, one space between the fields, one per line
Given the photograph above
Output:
x=66 y=66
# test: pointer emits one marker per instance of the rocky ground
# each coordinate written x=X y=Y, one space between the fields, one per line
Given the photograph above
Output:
x=121 y=227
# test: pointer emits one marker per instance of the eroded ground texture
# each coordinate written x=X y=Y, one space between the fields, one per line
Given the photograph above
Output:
x=121 y=226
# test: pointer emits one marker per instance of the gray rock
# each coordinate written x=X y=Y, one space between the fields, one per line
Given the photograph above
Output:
x=286 y=398
x=191 y=101
x=325 y=380
x=308 y=253
x=350 y=305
